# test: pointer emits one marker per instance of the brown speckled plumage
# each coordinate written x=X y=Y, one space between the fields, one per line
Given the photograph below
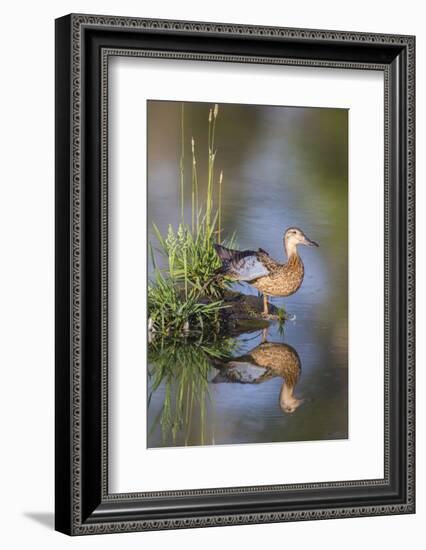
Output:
x=283 y=280
x=279 y=360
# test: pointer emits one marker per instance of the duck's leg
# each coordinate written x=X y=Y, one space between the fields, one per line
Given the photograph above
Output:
x=265 y=305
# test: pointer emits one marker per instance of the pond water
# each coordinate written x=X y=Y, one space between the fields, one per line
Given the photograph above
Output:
x=282 y=167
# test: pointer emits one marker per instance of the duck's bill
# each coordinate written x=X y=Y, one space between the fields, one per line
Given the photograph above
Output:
x=308 y=242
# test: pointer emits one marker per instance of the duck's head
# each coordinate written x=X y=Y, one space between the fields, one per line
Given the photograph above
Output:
x=294 y=236
x=290 y=405
x=288 y=402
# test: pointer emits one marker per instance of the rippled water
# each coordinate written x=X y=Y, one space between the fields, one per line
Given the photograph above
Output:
x=282 y=166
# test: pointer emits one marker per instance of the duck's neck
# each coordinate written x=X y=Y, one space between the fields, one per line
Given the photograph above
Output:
x=286 y=393
x=291 y=251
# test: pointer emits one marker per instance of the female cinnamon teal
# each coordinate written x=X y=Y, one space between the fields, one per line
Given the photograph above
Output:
x=263 y=272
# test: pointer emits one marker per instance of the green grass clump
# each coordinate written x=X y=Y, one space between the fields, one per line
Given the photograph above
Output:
x=172 y=311
x=188 y=292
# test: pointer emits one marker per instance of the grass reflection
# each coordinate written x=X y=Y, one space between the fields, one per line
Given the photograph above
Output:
x=181 y=367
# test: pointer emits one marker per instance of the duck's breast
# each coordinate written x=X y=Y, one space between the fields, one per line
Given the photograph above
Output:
x=284 y=281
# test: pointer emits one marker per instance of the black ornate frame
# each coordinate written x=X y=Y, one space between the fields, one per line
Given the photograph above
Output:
x=83 y=45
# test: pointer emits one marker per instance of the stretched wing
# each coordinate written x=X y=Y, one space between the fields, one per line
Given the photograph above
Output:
x=237 y=372
x=242 y=265
x=249 y=268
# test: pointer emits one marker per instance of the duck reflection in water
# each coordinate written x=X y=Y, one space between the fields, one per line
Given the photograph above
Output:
x=262 y=363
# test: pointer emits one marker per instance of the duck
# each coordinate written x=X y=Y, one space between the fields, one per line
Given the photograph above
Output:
x=264 y=273
x=266 y=361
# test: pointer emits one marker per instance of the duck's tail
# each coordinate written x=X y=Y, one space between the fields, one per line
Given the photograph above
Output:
x=225 y=254
x=229 y=258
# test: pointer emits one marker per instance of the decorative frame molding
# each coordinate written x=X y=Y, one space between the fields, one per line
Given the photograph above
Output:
x=84 y=43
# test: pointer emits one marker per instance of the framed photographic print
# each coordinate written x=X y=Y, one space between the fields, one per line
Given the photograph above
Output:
x=234 y=274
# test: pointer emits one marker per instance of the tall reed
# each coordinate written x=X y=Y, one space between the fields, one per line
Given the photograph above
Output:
x=182 y=160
